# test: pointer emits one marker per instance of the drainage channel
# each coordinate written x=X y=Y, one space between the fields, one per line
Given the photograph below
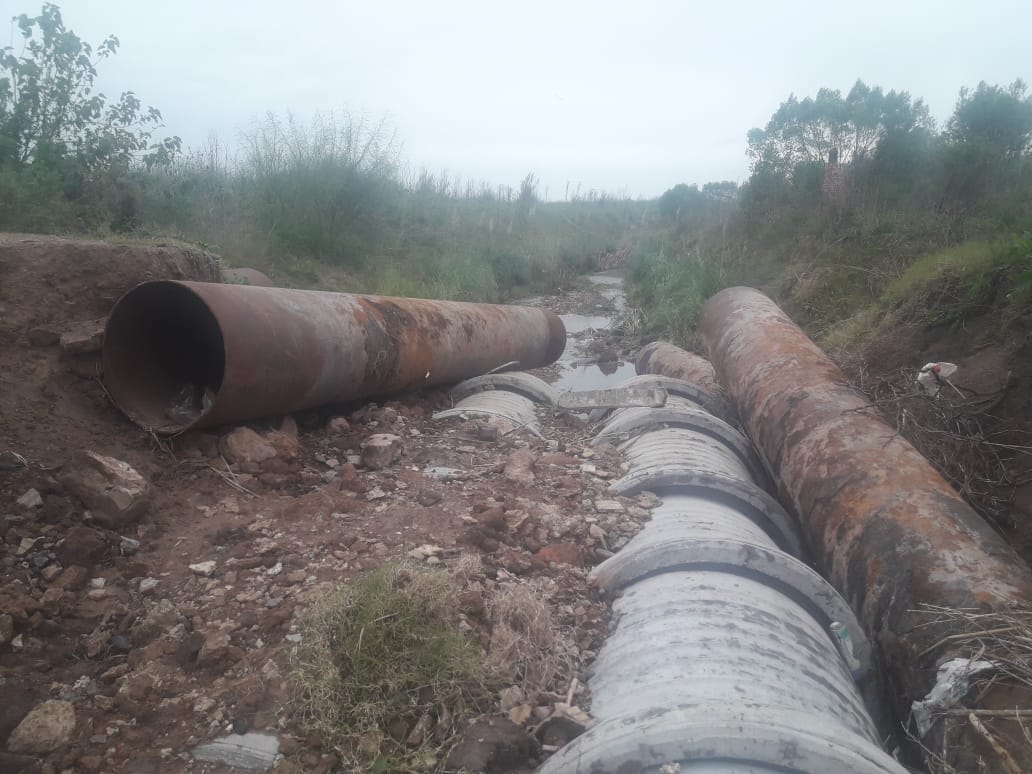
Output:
x=578 y=370
x=727 y=654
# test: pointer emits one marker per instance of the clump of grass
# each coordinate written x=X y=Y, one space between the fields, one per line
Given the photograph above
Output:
x=672 y=287
x=970 y=259
x=384 y=672
x=527 y=648
x=950 y=286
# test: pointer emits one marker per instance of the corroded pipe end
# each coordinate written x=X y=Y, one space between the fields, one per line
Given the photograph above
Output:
x=556 y=337
x=665 y=359
x=160 y=339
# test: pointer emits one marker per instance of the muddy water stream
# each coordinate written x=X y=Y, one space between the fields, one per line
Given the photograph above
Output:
x=580 y=368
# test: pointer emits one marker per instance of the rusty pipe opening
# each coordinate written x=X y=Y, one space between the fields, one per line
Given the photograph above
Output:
x=160 y=340
x=186 y=354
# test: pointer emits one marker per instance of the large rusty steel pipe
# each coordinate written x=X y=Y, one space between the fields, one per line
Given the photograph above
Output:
x=247 y=351
x=892 y=534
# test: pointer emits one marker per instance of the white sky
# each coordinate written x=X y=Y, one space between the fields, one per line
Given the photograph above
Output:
x=627 y=97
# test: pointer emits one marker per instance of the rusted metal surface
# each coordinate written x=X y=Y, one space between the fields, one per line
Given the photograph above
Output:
x=891 y=533
x=249 y=351
x=666 y=359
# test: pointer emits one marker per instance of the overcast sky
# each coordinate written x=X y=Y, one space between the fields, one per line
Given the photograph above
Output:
x=627 y=97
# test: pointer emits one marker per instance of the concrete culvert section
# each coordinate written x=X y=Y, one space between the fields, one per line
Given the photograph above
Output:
x=727 y=653
x=164 y=355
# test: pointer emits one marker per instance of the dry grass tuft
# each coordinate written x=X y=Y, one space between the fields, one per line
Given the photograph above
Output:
x=388 y=673
x=385 y=674
x=527 y=647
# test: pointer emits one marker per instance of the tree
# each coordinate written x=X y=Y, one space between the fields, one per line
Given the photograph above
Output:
x=987 y=136
x=55 y=127
x=997 y=119
x=805 y=131
x=684 y=202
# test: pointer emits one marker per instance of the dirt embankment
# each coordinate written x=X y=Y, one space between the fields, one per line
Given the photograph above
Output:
x=149 y=618
x=978 y=430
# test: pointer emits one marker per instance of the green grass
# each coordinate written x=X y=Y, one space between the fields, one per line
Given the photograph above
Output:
x=945 y=287
x=670 y=282
x=970 y=259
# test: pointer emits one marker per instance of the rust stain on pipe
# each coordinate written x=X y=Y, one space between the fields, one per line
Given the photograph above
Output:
x=262 y=351
x=892 y=533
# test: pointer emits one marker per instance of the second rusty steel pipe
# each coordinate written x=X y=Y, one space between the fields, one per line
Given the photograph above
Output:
x=246 y=352
x=666 y=359
x=892 y=534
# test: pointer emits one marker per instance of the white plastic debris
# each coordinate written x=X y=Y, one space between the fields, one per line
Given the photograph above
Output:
x=933 y=376
x=951 y=685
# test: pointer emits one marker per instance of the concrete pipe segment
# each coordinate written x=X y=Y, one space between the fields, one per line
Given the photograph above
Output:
x=728 y=654
x=191 y=354
x=891 y=533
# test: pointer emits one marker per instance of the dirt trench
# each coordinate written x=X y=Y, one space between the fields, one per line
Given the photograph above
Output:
x=132 y=640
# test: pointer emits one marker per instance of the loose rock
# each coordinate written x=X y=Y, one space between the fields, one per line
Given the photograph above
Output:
x=112 y=489
x=492 y=745
x=519 y=468
x=340 y=425
x=72 y=578
x=512 y=697
x=43 y=336
x=204 y=569
x=214 y=649
x=381 y=451
x=84 y=337
x=428 y=498
x=43 y=730
x=242 y=445
x=31 y=499
x=244 y=751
